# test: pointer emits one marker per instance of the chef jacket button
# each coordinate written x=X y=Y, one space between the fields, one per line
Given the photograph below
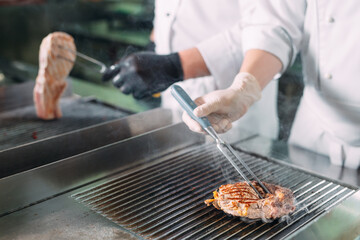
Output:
x=328 y=76
x=168 y=14
x=331 y=20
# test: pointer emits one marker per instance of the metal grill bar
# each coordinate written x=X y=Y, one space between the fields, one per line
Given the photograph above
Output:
x=193 y=236
x=300 y=179
x=140 y=182
x=165 y=200
x=197 y=234
x=319 y=210
x=257 y=228
x=133 y=176
x=199 y=186
x=176 y=216
x=118 y=192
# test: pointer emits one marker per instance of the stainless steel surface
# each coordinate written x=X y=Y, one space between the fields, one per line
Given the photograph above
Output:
x=299 y=157
x=27 y=188
x=166 y=200
x=59 y=218
x=38 y=200
x=68 y=144
x=342 y=222
x=22 y=126
x=36 y=204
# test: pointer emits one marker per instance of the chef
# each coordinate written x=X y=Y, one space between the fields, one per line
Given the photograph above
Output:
x=200 y=42
x=328 y=117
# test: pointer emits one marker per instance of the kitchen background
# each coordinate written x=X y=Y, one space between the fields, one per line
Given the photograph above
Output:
x=104 y=30
x=45 y=167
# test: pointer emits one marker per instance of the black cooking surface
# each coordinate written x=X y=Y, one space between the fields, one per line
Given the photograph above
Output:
x=165 y=200
x=21 y=126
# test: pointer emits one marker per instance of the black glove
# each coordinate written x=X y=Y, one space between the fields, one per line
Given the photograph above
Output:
x=150 y=46
x=145 y=73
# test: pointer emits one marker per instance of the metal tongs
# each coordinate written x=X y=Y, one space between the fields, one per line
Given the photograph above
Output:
x=188 y=105
x=95 y=65
x=100 y=67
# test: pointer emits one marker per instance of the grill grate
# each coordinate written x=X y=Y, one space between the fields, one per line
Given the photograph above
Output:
x=22 y=126
x=166 y=200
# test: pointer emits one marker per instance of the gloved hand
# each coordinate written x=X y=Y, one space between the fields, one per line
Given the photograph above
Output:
x=223 y=107
x=145 y=73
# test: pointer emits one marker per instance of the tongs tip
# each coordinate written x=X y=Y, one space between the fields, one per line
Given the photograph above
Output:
x=87 y=58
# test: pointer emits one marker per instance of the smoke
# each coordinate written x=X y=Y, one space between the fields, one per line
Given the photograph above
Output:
x=227 y=173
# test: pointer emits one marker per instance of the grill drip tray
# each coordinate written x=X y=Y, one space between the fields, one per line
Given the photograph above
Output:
x=165 y=200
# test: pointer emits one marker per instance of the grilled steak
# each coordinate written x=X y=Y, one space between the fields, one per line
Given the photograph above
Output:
x=55 y=64
x=239 y=199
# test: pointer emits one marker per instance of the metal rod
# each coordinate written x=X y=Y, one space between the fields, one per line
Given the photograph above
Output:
x=102 y=65
x=246 y=167
x=78 y=63
x=219 y=143
x=237 y=168
x=87 y=58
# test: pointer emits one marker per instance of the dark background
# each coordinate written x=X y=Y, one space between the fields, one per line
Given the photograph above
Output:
x=101 y=29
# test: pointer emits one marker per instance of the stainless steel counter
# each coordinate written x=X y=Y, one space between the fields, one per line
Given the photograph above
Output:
x=301 y=158
x=59 y=218
x=36 y=204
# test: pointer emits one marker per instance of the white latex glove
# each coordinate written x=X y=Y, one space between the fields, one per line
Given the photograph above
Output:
x=222 y=107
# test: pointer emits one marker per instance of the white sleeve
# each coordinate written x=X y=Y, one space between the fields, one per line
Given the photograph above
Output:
x=223 y=53
x=276 y=27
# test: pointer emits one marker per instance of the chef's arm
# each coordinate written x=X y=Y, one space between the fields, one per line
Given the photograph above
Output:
x=274 y=26
x=262 y=65
x=223 y=107
x=151 y=44
x=193 y=64
x=145 y=73
x=152 y=35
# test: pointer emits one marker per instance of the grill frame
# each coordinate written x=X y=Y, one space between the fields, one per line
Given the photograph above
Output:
x=40 y=198
x=21 y=126
x=79 y=141
x=223 y=220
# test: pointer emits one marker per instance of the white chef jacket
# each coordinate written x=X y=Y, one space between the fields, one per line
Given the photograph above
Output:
x=327 y=35
x=215 y=28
